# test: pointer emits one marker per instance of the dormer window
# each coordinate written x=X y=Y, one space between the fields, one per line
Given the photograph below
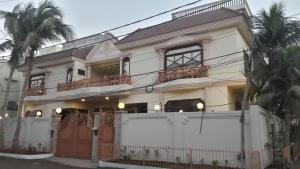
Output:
x=69 y=75
x=186 y=56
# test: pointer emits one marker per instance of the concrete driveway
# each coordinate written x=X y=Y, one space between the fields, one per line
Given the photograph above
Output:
x=9 y=163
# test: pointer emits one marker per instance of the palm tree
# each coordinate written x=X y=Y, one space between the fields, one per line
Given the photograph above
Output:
x=14 y=44
x=274 y=29
x=40 y=24
x=278 y=90
x=275 y=76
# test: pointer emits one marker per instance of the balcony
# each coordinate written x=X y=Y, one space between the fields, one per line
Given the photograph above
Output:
x=95 y=82
x=182 y=73
x=36 y=91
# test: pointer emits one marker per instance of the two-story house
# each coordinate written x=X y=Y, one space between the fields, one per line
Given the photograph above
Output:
x=195 y=57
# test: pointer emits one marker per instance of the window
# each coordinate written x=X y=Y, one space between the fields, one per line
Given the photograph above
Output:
x=12 y=105
x=81 y=72
x=69 y=75
x=37 y=81
x=187 y=56
x=126 y=66
x=188 y=105
x=136 y=108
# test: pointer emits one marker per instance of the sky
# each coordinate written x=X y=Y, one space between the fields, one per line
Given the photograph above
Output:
x=89 y=17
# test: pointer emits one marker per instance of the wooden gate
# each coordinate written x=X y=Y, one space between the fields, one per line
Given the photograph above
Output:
x=106 y=136
x=74 y=137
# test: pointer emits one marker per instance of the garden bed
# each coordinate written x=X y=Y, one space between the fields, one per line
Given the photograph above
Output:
x=163 y=164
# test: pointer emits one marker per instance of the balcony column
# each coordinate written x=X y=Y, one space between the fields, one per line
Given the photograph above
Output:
x=88 y=71
x=161 y=53
x=206 y=49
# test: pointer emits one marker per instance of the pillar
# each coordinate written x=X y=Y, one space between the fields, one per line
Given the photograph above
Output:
x=118 y=131
x=54 y=128
x=95 y=130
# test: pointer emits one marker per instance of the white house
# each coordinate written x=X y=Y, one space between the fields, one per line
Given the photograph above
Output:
x=195 y=57
x=163 y=75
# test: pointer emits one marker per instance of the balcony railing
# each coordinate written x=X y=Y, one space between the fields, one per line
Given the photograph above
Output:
x=181 y=73
x=95 y=82
x=36 y=91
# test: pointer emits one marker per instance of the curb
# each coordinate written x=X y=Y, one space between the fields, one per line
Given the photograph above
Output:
x=126 y=166
x=26 y=157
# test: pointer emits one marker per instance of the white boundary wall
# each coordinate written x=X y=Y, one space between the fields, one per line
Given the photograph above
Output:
x=220 y=131
x=35 y=132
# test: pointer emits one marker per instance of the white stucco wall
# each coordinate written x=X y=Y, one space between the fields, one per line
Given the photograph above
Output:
x=34 y=132
x=221 y=131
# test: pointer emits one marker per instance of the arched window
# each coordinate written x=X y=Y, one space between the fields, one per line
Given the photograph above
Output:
x=69 y=75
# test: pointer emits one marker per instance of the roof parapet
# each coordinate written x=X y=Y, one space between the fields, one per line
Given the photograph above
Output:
x=231 y=4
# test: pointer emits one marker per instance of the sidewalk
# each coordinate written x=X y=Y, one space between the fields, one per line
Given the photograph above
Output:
x=74 y=162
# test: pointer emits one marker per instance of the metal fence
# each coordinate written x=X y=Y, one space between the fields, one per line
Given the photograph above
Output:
x=191 y=158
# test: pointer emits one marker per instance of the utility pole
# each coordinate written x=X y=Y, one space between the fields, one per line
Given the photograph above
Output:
x=247 y=69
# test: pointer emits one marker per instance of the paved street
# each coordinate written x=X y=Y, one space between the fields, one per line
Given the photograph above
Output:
x=9 y=163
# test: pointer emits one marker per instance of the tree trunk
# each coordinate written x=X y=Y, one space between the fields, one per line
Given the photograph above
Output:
x=4 y=106
x=21 y=102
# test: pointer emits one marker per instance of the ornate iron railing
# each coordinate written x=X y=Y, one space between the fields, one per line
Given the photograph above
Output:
x=181 y=73
x=95 y=82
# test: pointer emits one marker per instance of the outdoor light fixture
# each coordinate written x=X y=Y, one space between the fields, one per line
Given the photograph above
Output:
x=0 y=117
x=121 y=105
x=6 y=115
x=83 y=100
x=38 y=113
x=106 y=98
x=58 y=110
x=157 y=108
x=180 y=111
x=200 y=106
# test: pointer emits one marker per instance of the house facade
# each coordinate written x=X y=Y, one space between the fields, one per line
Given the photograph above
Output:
x=171 y=66
x=197 y=57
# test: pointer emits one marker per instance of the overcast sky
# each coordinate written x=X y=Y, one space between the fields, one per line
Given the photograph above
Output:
x=92 y=16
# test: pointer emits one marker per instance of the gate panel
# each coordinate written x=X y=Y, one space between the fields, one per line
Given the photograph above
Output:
x=74 y=137
x=106 y=136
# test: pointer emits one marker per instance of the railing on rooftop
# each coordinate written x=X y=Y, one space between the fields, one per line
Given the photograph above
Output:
x=210 y=7
x=4 y=58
